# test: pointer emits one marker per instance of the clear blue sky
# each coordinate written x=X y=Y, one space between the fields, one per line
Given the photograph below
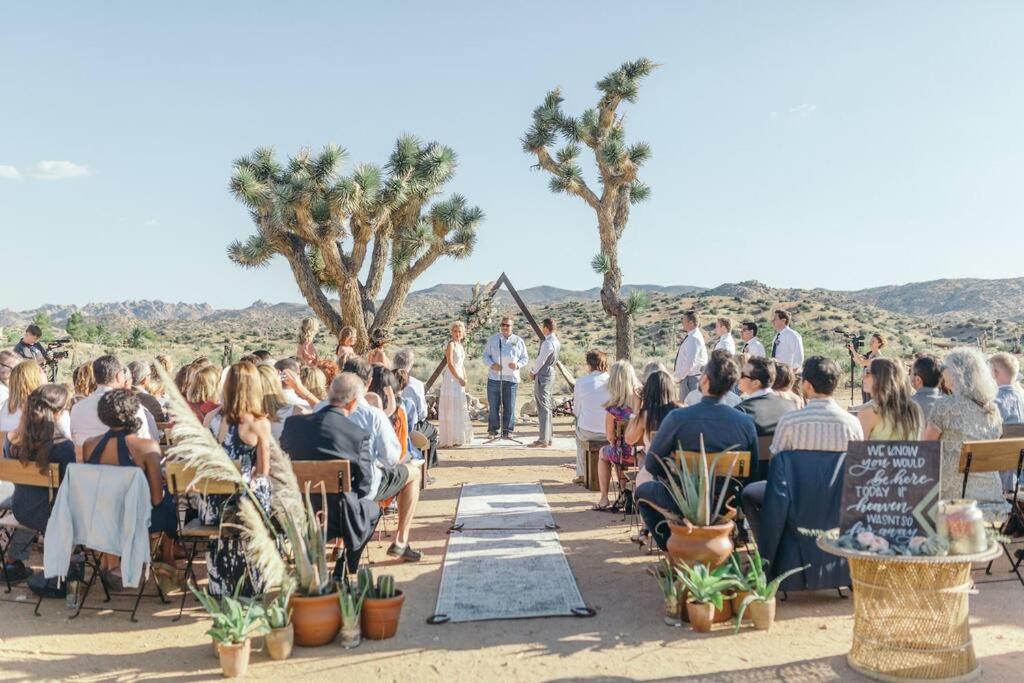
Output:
x=833 y=144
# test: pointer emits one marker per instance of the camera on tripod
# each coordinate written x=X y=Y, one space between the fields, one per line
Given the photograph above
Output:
x=853 y=341
x=55 y=354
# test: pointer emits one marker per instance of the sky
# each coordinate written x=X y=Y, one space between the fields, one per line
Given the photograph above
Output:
x=804 y=144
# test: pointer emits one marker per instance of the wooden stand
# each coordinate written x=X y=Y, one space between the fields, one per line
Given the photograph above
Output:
x=592 y=451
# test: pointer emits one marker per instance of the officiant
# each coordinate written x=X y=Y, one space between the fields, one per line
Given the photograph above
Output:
x=505 y=354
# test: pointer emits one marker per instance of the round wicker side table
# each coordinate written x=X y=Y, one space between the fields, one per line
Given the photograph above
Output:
x=911 y=615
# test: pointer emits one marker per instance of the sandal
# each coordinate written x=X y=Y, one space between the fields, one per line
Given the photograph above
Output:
x=601 y=508
x=641 y=537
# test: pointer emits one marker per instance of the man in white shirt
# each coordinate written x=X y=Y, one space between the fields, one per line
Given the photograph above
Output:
x=505 y=355
x=723 y=328
x=85 y=421
x=788 y=346
x=691 y=357
x=752 y=346
x=543 y=375
x=588 y=399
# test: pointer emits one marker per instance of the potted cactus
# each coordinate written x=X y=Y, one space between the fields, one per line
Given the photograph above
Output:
x=279 y=617
x=351 y=599
x=760 y=593
x=235 y=623
x=671 y=590
x=382 y=605
x=706 y=590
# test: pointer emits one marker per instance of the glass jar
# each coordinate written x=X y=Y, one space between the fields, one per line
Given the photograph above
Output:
x=962 y=523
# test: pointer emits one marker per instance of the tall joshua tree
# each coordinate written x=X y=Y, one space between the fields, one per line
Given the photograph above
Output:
x=333 y=228
x=600 y=129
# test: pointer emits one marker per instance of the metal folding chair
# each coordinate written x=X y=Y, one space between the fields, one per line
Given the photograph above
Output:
x=23 y=475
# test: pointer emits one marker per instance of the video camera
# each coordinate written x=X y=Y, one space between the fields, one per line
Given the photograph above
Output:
x=855 y=341
x=52 y=347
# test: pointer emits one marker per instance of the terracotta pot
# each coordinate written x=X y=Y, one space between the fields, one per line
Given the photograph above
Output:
x=351 y=636
x=380 y=616
x=711 y=545
x=279 y=642
x=700 y=615
x=721 y=615
x=316 y=619
x=737 y=602
x=762 y=613
x=234 y=658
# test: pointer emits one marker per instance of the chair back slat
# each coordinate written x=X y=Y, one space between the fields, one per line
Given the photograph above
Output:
x=1013 y=432
x=740 y=469
x=335 y=475
x=764 y=447
x=996 y=455
x=29 y=475
x=182 y=479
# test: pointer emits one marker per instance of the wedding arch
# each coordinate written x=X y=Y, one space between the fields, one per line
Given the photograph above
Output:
x=488 y=296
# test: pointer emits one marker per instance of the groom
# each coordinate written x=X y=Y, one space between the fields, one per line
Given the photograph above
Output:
x=504 y=354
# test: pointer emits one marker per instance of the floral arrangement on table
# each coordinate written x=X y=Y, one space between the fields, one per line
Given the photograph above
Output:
x=934 y=545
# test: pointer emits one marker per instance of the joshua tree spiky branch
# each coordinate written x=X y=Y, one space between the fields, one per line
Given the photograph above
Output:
x=601 y=130
x=331 y=228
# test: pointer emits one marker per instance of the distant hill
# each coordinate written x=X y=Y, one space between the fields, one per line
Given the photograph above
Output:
x=999 y=298
x=544 y=294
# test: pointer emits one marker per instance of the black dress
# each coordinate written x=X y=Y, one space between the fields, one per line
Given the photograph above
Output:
x=31 y=504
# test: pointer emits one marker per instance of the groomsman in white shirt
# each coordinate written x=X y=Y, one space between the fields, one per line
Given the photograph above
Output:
x=788 y=346
x=723 y=328
x=752 y=346
x=543 y=375
x=691 y=357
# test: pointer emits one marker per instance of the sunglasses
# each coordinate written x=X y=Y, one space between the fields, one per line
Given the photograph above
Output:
x=746 y=376
x=506 y=326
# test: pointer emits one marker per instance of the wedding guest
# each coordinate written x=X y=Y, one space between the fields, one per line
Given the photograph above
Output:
x=8 y=361
x=454 y=426
x=505 y=355
x=720 y=426
x=140 y=374
x=83 y=380
x=619 y=410
x=314 y=379
x=203 y=393
x=346 y=343
x=329 y=368
x=891 y=415
x=166 y=363
x=415 y=394
x=723 y=328
x=653 y=367
x=969 y=413
x=752 y=346
x=1009 y=396
x=294 y=392
x=276 y=408
x=385 y=386
x=788 y=346
x=925 y=376
x=264 y=357
x=760 y=401
x=785 y=381
x=306 y=352
x=691 y=357
x=864 y=359
x=26 y=377
x=588 y=399
x=543 y=376
x=378 y=343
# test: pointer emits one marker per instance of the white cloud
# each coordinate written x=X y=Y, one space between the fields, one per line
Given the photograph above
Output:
x=9 y=173
x=151 y=223
x=58 y=170
x=802 y=111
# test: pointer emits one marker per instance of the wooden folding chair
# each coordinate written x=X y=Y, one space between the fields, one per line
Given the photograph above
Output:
x=23 y=475
x=328 y=476
x=996 y=455
x=181 y=481
x=736 y=464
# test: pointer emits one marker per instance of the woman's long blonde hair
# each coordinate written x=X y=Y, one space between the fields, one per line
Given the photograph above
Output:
x=84 y=379
x=25 y=378
x=890 y=394
x=308 y=329
x=622 y=384
x=273 y=392
x=243 y=393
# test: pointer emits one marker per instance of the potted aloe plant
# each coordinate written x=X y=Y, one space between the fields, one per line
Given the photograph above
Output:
x=671 y=590
x=279 y=617
x=382 y=605
x=351 y=602
x=706 y=592
x=701 y=532
x=235 y=623
x=759 y=593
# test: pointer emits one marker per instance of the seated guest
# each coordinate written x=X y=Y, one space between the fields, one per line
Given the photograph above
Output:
x=120 y=446
x=385 y=386
x=8 y=361
x=651 y=368
x=203 y=393
x=263 y=356
x=37 y=440
x=85 y=420
x=890 y=415
x=417 y=403
x=619 y=410
x=155 y=387
x=275 y=405
x=723 y=328
x=140 y=373
x=721 y=426
x=83 y=380
x=401 y=383
x=290 y=378
x=330 y=434
x=970 y=413
x=315 y=381
x=330 y=370
x=785 y=379
x=821 y=426
x=752 y=346
x=1009 y=397
x=925 y=377
x=732 y=399
x=166 y=363
x=25 y=378
x=658 y=398
x=760 y=401
x=588 y=399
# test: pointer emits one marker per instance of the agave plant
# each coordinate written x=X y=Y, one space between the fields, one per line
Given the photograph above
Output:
x=351 y=600
x=279 y=614
x=756 y=582
x=692 y=490
x=235 y=620
x=707 y=585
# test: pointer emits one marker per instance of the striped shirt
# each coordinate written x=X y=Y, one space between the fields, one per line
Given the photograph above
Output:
x=821 y=426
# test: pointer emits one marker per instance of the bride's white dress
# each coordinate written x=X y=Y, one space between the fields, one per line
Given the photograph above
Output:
x=454 y=429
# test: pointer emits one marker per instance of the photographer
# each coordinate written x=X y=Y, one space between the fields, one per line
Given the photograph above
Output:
x=864 y=360
x=29 y=346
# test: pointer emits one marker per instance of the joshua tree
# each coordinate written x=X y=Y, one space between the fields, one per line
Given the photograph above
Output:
x=602 y=131
x=326 y=225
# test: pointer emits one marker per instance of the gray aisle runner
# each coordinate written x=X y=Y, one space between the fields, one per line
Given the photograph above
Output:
x=505 y=561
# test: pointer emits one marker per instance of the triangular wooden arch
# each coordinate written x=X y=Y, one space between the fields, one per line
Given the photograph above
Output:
x=503 y=280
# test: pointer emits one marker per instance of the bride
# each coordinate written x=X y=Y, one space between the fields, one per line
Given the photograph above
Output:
x=454 y=429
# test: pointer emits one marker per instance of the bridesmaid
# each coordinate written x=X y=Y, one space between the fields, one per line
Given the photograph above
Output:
x=306 y=353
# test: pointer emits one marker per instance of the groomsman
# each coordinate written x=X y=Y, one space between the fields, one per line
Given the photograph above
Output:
x=691 y=357
x=752 y=346
x=723 y=328
x=543 y=375
x=788 y=346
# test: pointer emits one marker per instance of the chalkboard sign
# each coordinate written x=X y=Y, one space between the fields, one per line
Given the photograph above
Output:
x=891 y=488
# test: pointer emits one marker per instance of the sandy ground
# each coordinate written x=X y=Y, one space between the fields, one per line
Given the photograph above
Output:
x=625 y=641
